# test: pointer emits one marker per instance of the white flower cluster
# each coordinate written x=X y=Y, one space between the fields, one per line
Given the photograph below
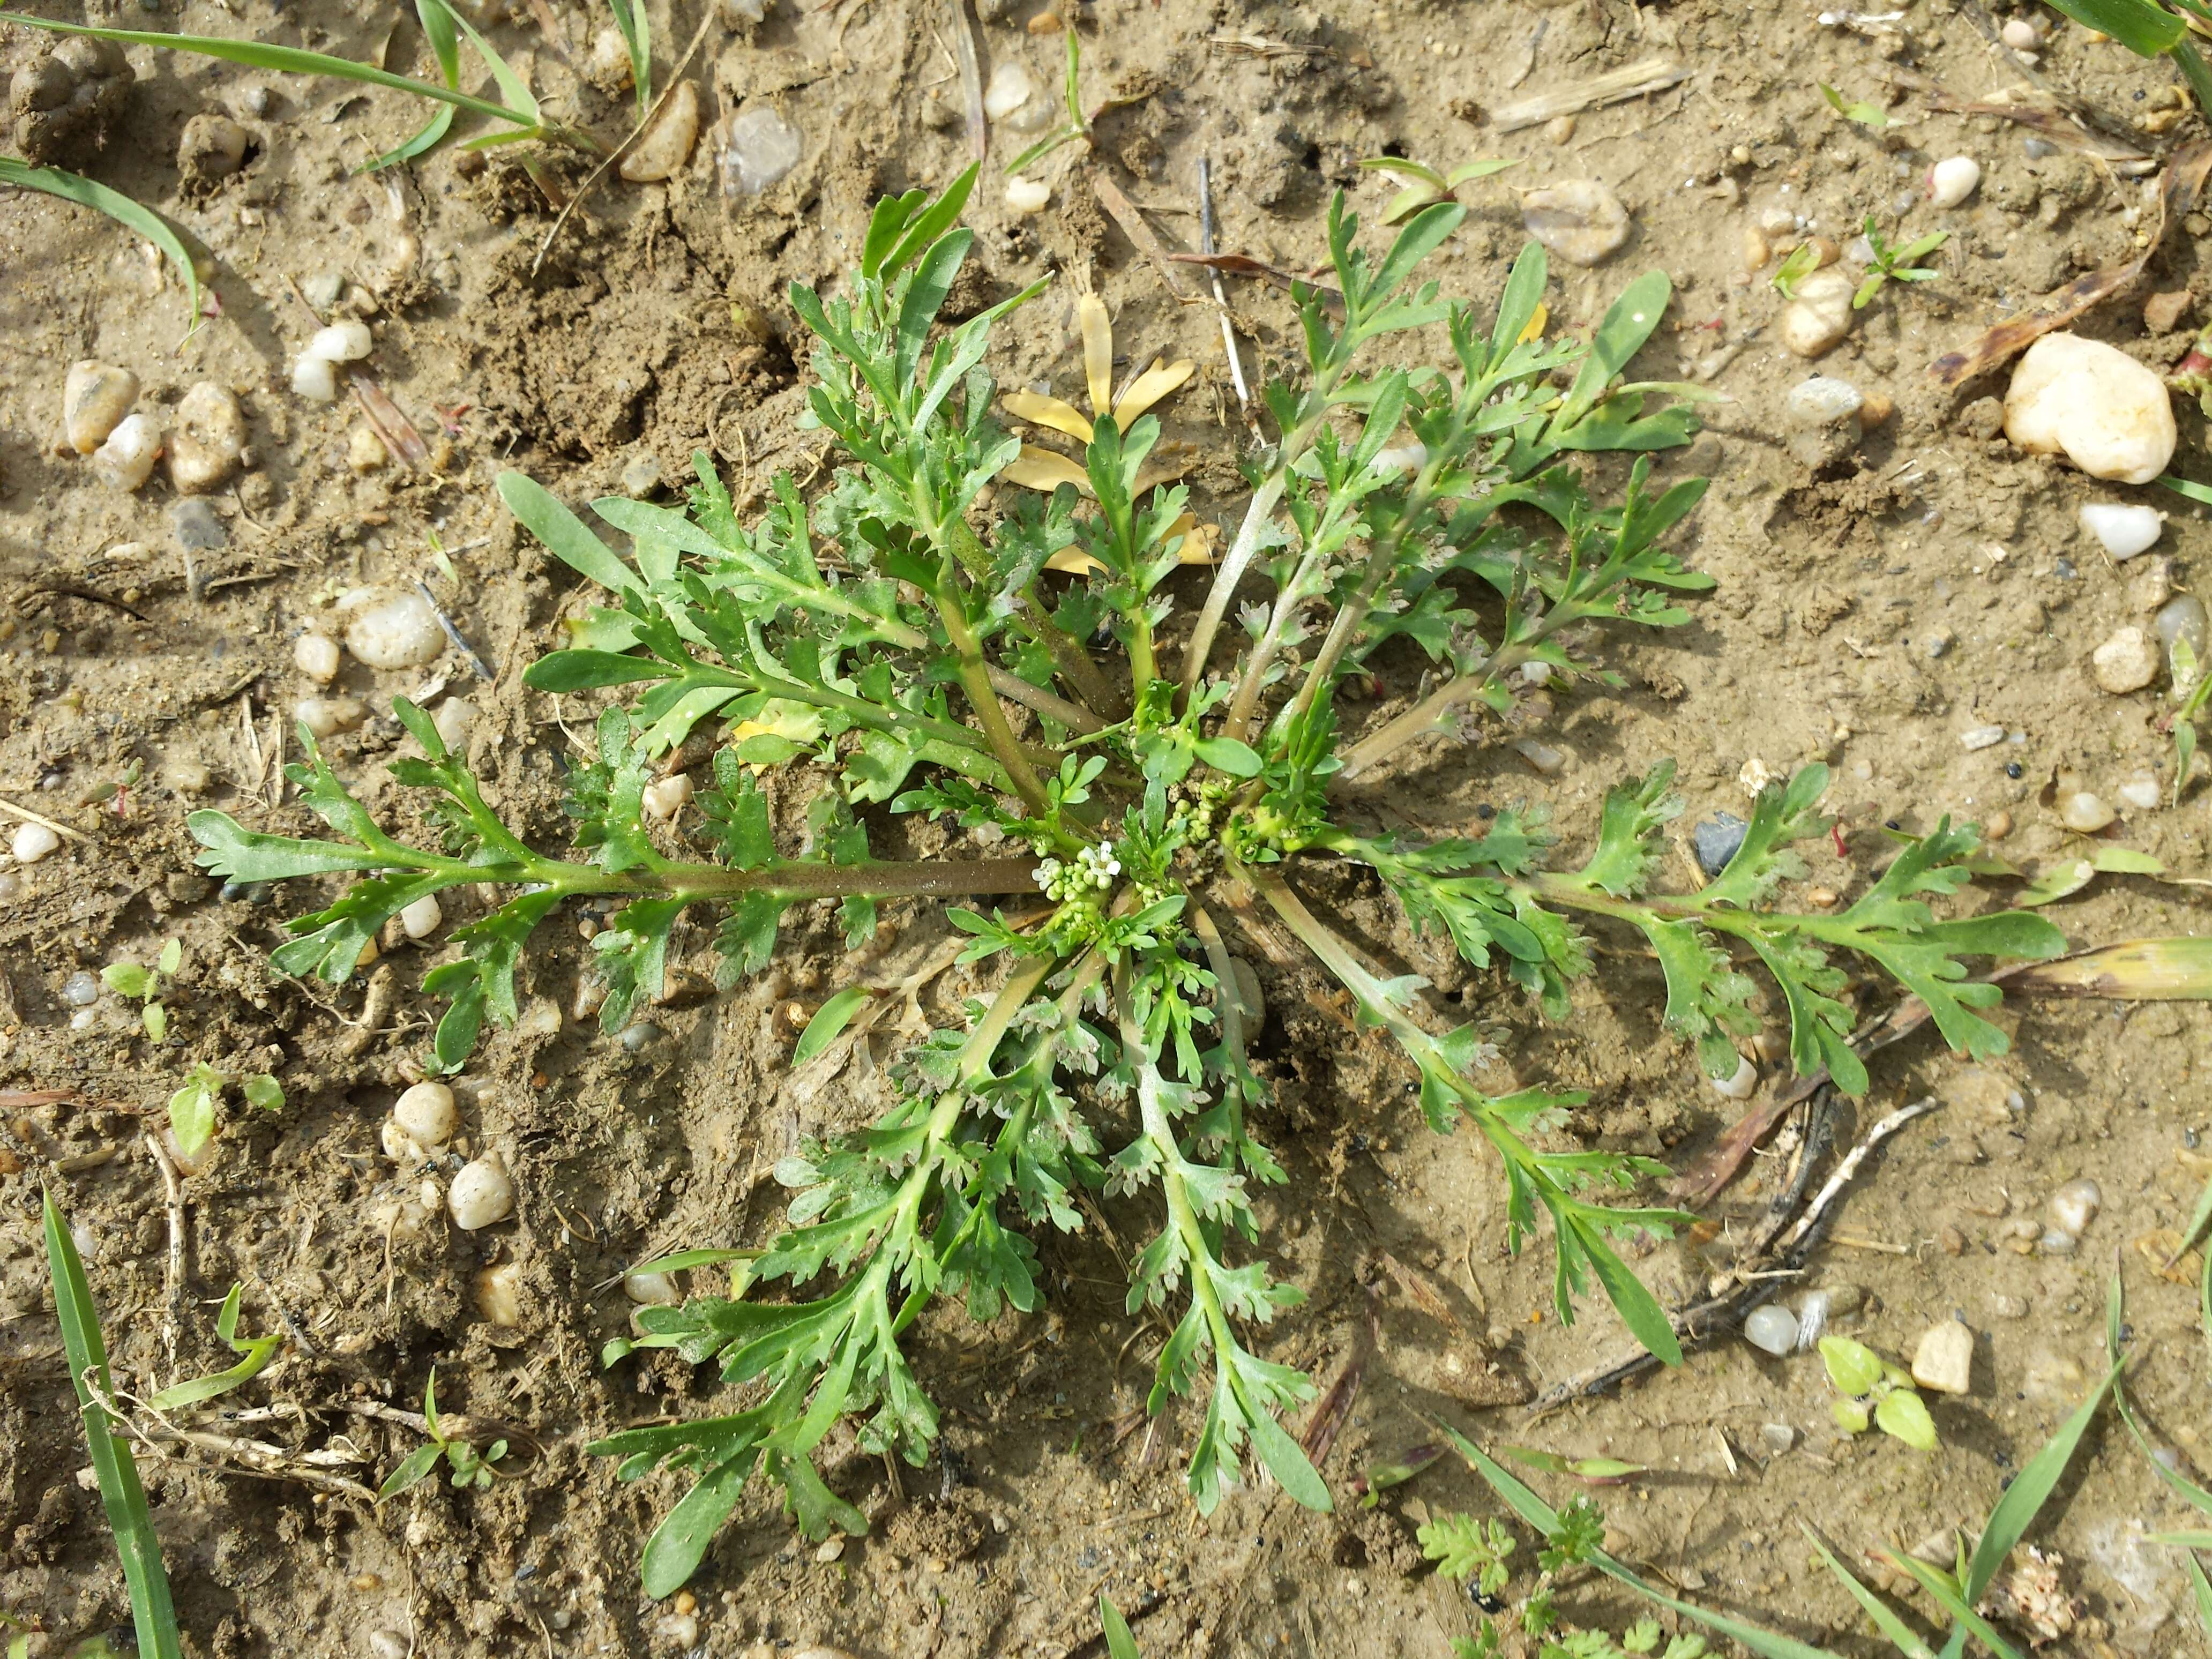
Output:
x=1093 y=872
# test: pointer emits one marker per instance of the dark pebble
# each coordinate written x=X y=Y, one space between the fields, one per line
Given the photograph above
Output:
x=1715 y=840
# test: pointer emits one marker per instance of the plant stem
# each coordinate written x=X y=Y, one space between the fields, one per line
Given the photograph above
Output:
x=1068 y=656
x=985 y=703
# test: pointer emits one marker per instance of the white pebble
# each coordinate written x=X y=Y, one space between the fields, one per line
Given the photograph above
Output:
x=680 y=1630
x=314 y=379
x=499 y=1294
x=1953 y=179
x=666 y=145
x=1011 y=86
x=327 y=716
x=1773 y=1327
x=95 y=397
x=455 y=719
x=209 y=439
x=2143 y=792
x=346 y=341
x=80 y=989
x=2020 y=34
x=2126 y=662
x=1581 y=220
x=1820 y=316
x=760 y=150
x=32 y=842
x=2084 y=812
x=482 y=1194
x=397 y=631
x=1026 y=196
x=2123 y=530
x=1541 y=756
x=652 y=1289
x=608 y=66
x=1740 y=1086
x=2102 y=409
x=2075 y=1205
x=1944 y=1361
x=398 y=1145
x=126 y=459
x=1982 y=736
x=420 y=919
x=664 y=798
x=316 y=656
x=426 y=1113
x=1822 y=401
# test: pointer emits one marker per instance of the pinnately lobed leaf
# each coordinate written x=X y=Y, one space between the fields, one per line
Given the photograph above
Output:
x=850 y=660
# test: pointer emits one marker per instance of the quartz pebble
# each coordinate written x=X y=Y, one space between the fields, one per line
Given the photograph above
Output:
x=1981 y=736
x=2075 y=1206
x=420 y=919
x=760 y=150
x=1822 y=400
x=1026 y=196
x=314 y=379
x=32 y=842
x=95 y=397
x=347 y=341
x=2084 y=812
x=2122 y=530
x=1011 y=86
x=2180 y=620
x=664 y=798
x=2126 y=662
x=426 y=1113
x=1951 y=180
x=452 y=721
x=1740 y=1084
x=393 y=628
x=1772 y=1327
x=482 y=1194
x=607 y=65
x=316 y=656
x=1580 y=220
x=1944 y=1361
x=652 y=1289
x=209 y=439
x=499 y=1294
x=2102 y=409
x=2020 y=34
x=1776 y=1439
x=665 y=145
x=1544 y=758
x=126 y=460
x=1821 y=315
x=2143 y=792
x=326 y=717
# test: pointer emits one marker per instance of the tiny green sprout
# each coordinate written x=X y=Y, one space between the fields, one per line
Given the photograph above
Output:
x=470 y=1467
x=137 y=983
x=191 y=1109
x=1424 y=186
x=1898 y=264
x=1593 y=1471
x=1864 y=114
x=254 y=1354
x=1575 y=1539
x=1464 y=1547
x=1072 y=128
x=263 y=1092
x=1874 y=1391
x=1804 y=260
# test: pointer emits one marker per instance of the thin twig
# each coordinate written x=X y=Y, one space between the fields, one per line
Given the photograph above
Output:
x=30 y=816
x=971 y=79
x=1220 y=295
x=468 y=652
x=174 y=1193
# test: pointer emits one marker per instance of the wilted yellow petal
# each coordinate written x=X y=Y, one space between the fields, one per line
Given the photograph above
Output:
x=1535 y=329
x=1197 y=540
x=1148 y=388
x=1072 y=561
x=1048 y=411
x=1040 y=468
x=1097 y=350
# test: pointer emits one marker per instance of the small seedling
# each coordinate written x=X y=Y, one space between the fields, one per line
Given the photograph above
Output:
x=1070 y=129
x=1802 y=262
x=255 y=1353
x=129 y=1517
x=1875 y=1391
x=144 y=986
x=1424 y=186
x=1120 y=1644
x=470 y=1467
x=1896 y=264
x=1860 y=112
x=191 y=1109
x=1467 y=1548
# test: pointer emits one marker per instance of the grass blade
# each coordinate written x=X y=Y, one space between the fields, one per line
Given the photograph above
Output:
x=128 y=1517
x=636 y=31
x=86 y=192
x=2137 y=970
x=445 y=46
x=291 y=60
x=1120 y=1644
x=1940 y=1586
x=2203 y=1589
x=831 y=1017
x=2015 y=1511
x=2182 y=1486
x=1901 y=1635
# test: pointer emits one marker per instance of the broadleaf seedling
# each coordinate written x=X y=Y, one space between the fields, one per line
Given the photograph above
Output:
x=1875 y=1392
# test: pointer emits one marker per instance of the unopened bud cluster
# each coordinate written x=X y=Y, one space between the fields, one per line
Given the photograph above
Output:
x=1091 y=872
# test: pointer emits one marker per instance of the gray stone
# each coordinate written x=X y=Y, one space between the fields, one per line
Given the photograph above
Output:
x=1715 y=840
x=199 y=528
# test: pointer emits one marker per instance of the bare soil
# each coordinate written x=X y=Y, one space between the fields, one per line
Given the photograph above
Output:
x=1929 y=580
